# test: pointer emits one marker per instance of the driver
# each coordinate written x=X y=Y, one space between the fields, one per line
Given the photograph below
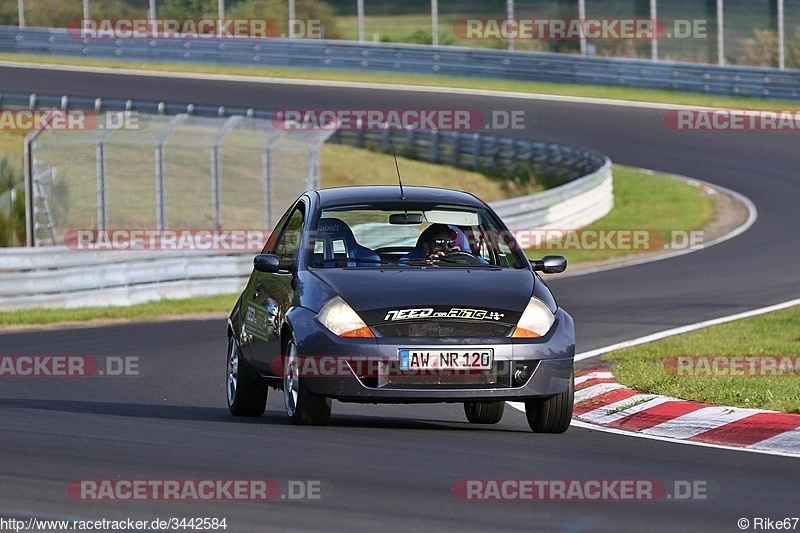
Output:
x=436 y=241
x=439 y=241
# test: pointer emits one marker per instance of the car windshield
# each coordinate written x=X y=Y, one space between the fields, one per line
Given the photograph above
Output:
x=410 y=235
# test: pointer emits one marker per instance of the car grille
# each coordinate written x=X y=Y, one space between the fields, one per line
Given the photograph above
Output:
x=449 y=328
x=500 y=375
x=439 y=379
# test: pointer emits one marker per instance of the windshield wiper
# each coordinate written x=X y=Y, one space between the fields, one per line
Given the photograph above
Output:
x=349 y=260
x=422 y=261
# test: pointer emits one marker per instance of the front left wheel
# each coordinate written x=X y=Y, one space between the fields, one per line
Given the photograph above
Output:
x=551 y=415
x=303 y=407
x=246 y=396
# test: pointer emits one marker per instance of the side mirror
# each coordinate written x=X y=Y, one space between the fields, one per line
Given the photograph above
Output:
x=550 y=264
x=267 y=263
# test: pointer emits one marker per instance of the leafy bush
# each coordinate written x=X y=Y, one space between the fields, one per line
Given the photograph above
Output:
x=57 y=13
x=762 y=49
x=12 y=214
x=305 y=10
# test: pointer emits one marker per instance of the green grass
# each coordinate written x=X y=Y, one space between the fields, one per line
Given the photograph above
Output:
x=340 y=167
x=642 y=201
x=618 y=93
x=775 y=334
x=12 y=145
x=343 y=166
x=139 y=312
x=740 y=21
x=678 y=206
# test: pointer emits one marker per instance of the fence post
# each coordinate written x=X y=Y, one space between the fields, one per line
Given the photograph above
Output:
x=21 y=12
x=100 y=157
x=435 y=22
x=100 y=163
x=312 y=181
x=29 y=177
x=267 y=180
x=582 y=19
x=216 y=178
x=781 y=37
x=159 y=156
x=720 y=34
x=653 y=30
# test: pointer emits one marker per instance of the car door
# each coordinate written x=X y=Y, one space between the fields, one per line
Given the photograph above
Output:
x=269 y=295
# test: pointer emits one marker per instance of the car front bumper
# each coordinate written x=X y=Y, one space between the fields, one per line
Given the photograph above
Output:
x=548 y=362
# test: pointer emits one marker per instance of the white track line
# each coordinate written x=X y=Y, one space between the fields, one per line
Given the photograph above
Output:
x=519 y=406
x=605 y=429
x=772 y=446
x=685 y=329
x=354 y=85
x=751 y=208
x=499 y=94
x=752 y=216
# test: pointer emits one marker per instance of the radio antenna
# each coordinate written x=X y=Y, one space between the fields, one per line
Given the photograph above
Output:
x=402 y=194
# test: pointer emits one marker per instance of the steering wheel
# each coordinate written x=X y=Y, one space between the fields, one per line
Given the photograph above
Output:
x=458 y=256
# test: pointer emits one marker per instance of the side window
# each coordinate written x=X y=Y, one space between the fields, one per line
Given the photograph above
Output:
x=289 y=240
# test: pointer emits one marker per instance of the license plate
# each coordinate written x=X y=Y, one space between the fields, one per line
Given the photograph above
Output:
x=480 y=359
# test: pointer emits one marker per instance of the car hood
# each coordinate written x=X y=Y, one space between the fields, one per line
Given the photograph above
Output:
x=391 y=294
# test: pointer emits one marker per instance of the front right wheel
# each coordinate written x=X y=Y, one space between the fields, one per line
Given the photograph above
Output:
x=303 y=406
x=551 y=415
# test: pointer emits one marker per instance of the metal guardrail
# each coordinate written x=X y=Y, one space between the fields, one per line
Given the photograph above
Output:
x=62 y=277
x=754 y=82
x=569 y=206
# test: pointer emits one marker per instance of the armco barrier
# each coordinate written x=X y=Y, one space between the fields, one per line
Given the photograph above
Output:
x=419 y=59
x=61 y=277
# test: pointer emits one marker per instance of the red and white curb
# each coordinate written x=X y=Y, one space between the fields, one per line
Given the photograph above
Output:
x=600 y=399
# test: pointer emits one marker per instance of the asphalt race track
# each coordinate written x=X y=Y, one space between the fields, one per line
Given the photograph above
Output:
x=394 y=467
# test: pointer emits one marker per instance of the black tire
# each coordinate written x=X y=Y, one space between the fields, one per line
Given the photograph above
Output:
x=484 y=412
x=246 y=395
x=303 y=407
x=551 y=415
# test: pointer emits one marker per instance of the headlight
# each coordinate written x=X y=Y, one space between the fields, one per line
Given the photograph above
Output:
x=536 y=320
x=340 y=319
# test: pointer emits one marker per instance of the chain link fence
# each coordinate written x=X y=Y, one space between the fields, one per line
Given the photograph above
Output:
x=162 y=172
x=750 y=28
x=735 y=32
